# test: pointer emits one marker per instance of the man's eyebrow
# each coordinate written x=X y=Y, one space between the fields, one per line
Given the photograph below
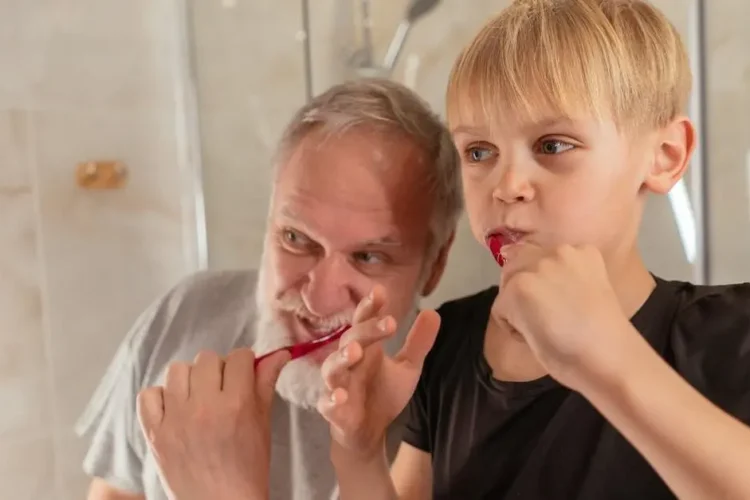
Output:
x=387 y=241
x=289 y=212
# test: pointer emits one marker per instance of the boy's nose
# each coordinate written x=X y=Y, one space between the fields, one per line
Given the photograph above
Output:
x=512 y=187
x=330 y=287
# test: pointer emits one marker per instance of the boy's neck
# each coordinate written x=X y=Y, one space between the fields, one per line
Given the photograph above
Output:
x=632 y=283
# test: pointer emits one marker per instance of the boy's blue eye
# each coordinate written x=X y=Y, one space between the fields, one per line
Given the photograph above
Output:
x=553 y=147
x=477 y=155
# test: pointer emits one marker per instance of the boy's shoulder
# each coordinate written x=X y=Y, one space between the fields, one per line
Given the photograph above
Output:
x=709 y=340
x=720 y=305
x=462 y=321
x=468 y=309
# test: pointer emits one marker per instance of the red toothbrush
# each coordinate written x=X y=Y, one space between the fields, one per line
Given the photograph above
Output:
x=495 y=243
x=299 y=350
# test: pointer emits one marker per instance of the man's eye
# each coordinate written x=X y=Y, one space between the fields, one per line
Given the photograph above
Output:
x=369 y=258
x=295 y=239
x=554 y=147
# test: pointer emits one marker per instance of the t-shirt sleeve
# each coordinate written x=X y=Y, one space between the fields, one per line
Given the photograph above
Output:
x=116 y=450
x=417 y=427
x=712 y=348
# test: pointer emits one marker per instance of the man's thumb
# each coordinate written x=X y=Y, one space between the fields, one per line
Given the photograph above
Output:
x=267 y=373
x=150 y=407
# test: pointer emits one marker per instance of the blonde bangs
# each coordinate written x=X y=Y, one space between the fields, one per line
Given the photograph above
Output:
x=539 y=59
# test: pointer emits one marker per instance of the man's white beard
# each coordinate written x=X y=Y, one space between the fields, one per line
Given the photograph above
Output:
x=300 y=382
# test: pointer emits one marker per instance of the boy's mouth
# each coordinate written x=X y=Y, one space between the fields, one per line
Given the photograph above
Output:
x=497 y=239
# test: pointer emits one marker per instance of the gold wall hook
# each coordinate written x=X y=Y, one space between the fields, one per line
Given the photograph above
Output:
x=103 y=174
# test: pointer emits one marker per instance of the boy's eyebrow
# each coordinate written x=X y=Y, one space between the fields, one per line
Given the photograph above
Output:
x=466 y=129
x=554 y=120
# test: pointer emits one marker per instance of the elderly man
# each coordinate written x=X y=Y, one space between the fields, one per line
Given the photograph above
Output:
x=366 y=192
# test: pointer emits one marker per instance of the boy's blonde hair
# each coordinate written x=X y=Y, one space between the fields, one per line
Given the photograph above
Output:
x=618 y=59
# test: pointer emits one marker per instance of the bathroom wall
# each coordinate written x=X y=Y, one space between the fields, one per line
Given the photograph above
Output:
x=250 y=80
x=85 y=80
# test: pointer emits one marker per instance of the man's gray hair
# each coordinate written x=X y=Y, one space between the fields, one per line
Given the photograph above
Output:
x=389 y=107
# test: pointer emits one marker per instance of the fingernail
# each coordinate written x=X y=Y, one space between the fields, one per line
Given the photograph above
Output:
x=345 y=353
x=382 y=325
x=332 y=398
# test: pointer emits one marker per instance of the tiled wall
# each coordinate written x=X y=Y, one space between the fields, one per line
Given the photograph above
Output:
x=92 y=79
x=106 y=79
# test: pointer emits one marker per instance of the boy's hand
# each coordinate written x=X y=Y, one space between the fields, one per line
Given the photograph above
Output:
x=209 y=426
x=367 y=390
x=562 y=303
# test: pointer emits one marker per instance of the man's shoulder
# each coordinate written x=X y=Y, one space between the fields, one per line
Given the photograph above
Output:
x=211 y=310
x=212 y=285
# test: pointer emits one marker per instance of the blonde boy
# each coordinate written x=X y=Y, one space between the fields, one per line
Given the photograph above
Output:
x=581 y=376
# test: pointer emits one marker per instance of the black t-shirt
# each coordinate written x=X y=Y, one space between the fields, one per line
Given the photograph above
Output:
x=539 y=440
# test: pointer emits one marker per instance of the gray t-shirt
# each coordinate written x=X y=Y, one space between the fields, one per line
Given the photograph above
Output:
x=210 y=310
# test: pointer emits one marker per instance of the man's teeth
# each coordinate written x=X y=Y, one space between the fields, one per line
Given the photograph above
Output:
x=323 y=327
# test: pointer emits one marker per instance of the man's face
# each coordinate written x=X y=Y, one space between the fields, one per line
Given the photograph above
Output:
x=348 y=211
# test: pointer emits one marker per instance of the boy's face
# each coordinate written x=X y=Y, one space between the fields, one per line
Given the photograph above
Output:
x=556 y=181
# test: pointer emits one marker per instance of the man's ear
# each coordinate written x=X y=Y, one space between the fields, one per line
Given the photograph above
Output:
x=438 y=267
x=674 y=148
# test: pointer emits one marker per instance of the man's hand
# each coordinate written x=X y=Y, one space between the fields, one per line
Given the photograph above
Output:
x=367 y=389
x=209 y=426
x=562 y=303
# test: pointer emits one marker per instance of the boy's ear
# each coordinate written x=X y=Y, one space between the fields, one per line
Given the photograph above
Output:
x=674 y=148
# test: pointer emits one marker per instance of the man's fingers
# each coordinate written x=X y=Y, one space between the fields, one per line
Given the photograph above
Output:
x=150 y=408
x=421 y=338
x=268 y=372
x=177 y=383
x=239 y=372
x=335 y=368
x=370 y=306
x=206 y=374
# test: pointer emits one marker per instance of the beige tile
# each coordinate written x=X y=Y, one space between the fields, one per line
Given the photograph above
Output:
x=27 y=469
x=107 y=254
x=238 y=68
x=728 y=122
x=24 y=370
x=660 y=244
x=73 y=481
x=14 y=150
x=90 y=53
x=236 y=158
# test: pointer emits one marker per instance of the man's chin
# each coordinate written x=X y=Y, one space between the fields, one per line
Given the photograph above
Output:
x=301 y=383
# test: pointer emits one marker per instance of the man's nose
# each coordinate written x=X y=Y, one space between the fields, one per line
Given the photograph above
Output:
x=330 y=288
